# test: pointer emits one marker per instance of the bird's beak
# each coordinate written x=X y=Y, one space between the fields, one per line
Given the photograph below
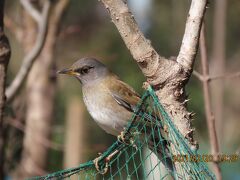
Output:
x=68 y=71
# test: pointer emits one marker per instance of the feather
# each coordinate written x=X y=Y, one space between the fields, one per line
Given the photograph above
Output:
x=124 y=95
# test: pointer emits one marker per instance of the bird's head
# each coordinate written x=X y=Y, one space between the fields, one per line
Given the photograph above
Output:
x=86 y=70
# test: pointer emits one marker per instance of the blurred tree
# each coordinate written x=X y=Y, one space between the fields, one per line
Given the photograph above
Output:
x=4 y=59
x=75 y=133
x=41 y=90
x=218 y=63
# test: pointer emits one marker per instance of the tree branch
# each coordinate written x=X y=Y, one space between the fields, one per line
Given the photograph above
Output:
x=216 y=77
x=33 y=54
x=141 y=49
x=168 y=77
x=207 y=104
x=36 y=15
x=190 y=40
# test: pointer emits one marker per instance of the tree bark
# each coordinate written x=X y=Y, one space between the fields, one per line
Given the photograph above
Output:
x=4 y=59
x=41 y=90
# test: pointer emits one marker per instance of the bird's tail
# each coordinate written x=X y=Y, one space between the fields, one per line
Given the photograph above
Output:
x=160 y=146
x=157 y=140
x=162 y=152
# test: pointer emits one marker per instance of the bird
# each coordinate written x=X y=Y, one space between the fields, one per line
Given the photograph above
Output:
x=110 y=101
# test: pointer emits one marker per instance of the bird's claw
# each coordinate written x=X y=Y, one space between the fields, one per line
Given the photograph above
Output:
x=122 y=138
x=101 y=171
x=107 y=160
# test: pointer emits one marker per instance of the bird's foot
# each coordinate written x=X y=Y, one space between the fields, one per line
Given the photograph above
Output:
x=146 y=85
x=122 y=138
x=126 y=139
x=98 y=168
x=106 y=161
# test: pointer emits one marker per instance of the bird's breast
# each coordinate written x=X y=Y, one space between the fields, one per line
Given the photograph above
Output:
x=105 y=110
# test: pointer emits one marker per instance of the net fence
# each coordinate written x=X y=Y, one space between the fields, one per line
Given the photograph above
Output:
x=151 y=148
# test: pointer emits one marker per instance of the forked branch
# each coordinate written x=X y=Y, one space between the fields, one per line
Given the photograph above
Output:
x=168 y=77
x=145 y=55
x=28 y=60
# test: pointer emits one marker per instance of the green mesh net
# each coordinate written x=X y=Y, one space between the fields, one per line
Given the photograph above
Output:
x=147 y=149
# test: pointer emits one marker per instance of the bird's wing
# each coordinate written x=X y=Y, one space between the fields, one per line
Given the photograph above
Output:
x=124 y=95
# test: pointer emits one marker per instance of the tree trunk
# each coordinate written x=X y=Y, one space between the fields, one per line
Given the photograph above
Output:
x=4 y=59
x=74 y=137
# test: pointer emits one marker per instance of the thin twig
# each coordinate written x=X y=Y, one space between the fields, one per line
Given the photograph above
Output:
x=200 y=76
x=33 y=54
x=207 y=104
x=36 y=15
x=216 y=77
x=227 y=76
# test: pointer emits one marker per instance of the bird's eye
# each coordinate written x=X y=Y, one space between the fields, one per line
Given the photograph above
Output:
x=84 y=70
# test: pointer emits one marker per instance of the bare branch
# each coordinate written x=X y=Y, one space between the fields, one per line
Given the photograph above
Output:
x=216 y=77
x=166 y=76
x=36 y=15
x=207 y=104
x=32 y=55
x=199 y=76
x=189 y=45
x=227 y=76
x=145 y=55
x=60 y=7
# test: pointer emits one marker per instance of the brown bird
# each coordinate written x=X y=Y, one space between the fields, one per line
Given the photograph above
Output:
x=110 y=101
